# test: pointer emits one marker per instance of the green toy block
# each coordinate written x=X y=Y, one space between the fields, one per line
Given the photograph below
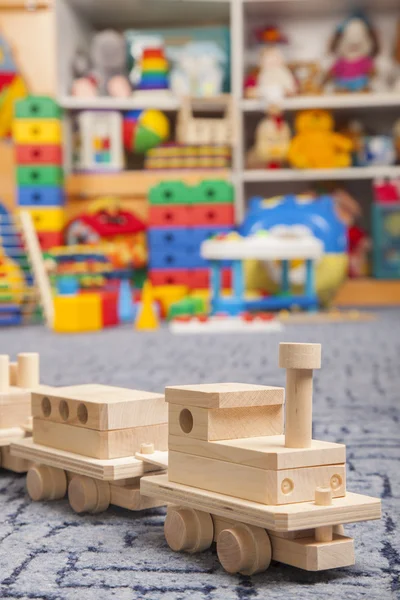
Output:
x=187 y=306
x=213 y=191
x=38 y=175
x=170 y=192
x=37 y=107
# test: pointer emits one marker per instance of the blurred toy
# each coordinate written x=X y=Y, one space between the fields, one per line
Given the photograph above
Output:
x=308 y=77
x=126 y=308
x=355 y=131
x=104 y=71
x=106 y=223
x=359 y=248
x=396 y=139
x=147 y=318
x=282 y=215
x=272 y=140
x=196 y=130
x=316 y=145
x=100 y=140
x=355 y=47
x=275 y=79
x=198 y=70
x=154 y=71
x=144 y=130
x=189 y=156
x=387 y=191
x=12 y=87
x=376 y=150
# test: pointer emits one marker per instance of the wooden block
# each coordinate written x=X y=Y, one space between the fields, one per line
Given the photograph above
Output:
x=100 y=407
x=116 y=443
x=106 y=470
x=224 y=395
x=15 y=396
x=351 y=508
x=12 y=463
x=158 y=458
x=267 y=452
x=249 y=483
x=299 y=356
x=14 y=415
x=306 y=553
x=225 y=423
x=129 y=497
x=4 y=373
x=11 y=434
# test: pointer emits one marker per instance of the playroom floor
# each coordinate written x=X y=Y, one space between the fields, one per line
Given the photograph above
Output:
x=47 y=551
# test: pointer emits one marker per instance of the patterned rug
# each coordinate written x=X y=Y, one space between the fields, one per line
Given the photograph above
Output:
x=47 y=551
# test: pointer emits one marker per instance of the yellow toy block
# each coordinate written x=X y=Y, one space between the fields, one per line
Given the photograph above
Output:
x=147 y=319
x=47 y=219
x=78 y=313
x=167 y=295
x=37 y=131
x=154 y=64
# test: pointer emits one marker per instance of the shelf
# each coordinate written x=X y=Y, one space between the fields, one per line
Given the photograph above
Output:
x=368 y=292
x=356 y=173
x=330 y=101
x=155 y=101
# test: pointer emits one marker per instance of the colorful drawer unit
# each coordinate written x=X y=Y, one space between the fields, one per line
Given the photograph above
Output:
x=37 y=107
x=47 y=219
x=36 y=131
x=50 y=239
x=40 y=175
x=165 y=238
x=41 y=196
x=213 y=191
x=386 y=240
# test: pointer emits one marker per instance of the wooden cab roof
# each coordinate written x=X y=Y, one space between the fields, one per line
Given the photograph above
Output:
x=224 y=395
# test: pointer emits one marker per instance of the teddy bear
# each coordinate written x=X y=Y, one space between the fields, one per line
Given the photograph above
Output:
x=355 y=47
x=316 y=145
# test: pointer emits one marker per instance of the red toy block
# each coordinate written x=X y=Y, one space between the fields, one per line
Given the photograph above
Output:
x=32 y=154
x=109 y=307
x=169 y=216
x=200 y=278
x=212 y=215
x=169 y=276
x=50 y=239
x=6 y=79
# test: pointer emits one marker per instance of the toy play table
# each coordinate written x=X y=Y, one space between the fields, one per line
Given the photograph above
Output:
x=265 y=248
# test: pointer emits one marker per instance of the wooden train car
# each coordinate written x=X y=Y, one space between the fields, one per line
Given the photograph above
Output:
x=84 y=440
x=238 y=478
x=17 y=380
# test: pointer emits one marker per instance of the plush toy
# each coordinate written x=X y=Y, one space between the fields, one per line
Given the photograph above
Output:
x=198 y=70
x=355 y=46
x=376 y=150
x=316 y=145
x=104 y=71
x=275 y=79
x=272 y=139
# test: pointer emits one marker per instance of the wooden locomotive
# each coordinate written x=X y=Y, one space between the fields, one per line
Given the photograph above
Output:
x=84 y=440
x=235 y=478
x=17 y=380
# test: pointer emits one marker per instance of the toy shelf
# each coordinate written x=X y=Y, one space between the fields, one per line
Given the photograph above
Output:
x=159 y=102
x=368 y=292
x=331 y=101
x=355 y=173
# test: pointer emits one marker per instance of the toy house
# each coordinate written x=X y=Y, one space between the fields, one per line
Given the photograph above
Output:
x=236 y=477
x=84 y=442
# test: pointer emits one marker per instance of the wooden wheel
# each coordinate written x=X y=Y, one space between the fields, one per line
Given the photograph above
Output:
x=88 y=495
x=188 y=530
x=46 y=483
x=244 y=549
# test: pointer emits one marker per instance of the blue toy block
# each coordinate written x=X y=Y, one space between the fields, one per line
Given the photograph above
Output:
x=41 y=196
x=165 y=239
x=67 y=285
x=172 y=259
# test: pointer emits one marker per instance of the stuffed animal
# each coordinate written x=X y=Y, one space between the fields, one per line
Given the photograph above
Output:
x=275 y=79
x=355 y=46
x=104 y=71
x=316 y=145
x=272 y=139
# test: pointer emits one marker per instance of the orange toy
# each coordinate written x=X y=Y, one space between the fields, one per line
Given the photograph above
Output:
x=316 y=145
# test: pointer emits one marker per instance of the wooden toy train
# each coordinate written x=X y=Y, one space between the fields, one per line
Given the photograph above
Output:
x=231 y=474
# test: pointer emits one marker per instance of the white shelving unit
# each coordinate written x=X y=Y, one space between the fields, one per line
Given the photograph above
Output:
x=309 y=24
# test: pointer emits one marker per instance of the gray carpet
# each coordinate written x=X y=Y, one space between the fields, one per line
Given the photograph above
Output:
x=46 y=551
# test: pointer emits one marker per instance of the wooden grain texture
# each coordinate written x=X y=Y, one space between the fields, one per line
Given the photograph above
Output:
x=224 y=395
x=351 y=508
x=258 y=485
x=226 y=423
x=158 y=458
x=12 y=463
x=129 y=497
x=306 y=553
x=116 y=443
x=267 y=452
x=106 y=470
x=103 y=407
